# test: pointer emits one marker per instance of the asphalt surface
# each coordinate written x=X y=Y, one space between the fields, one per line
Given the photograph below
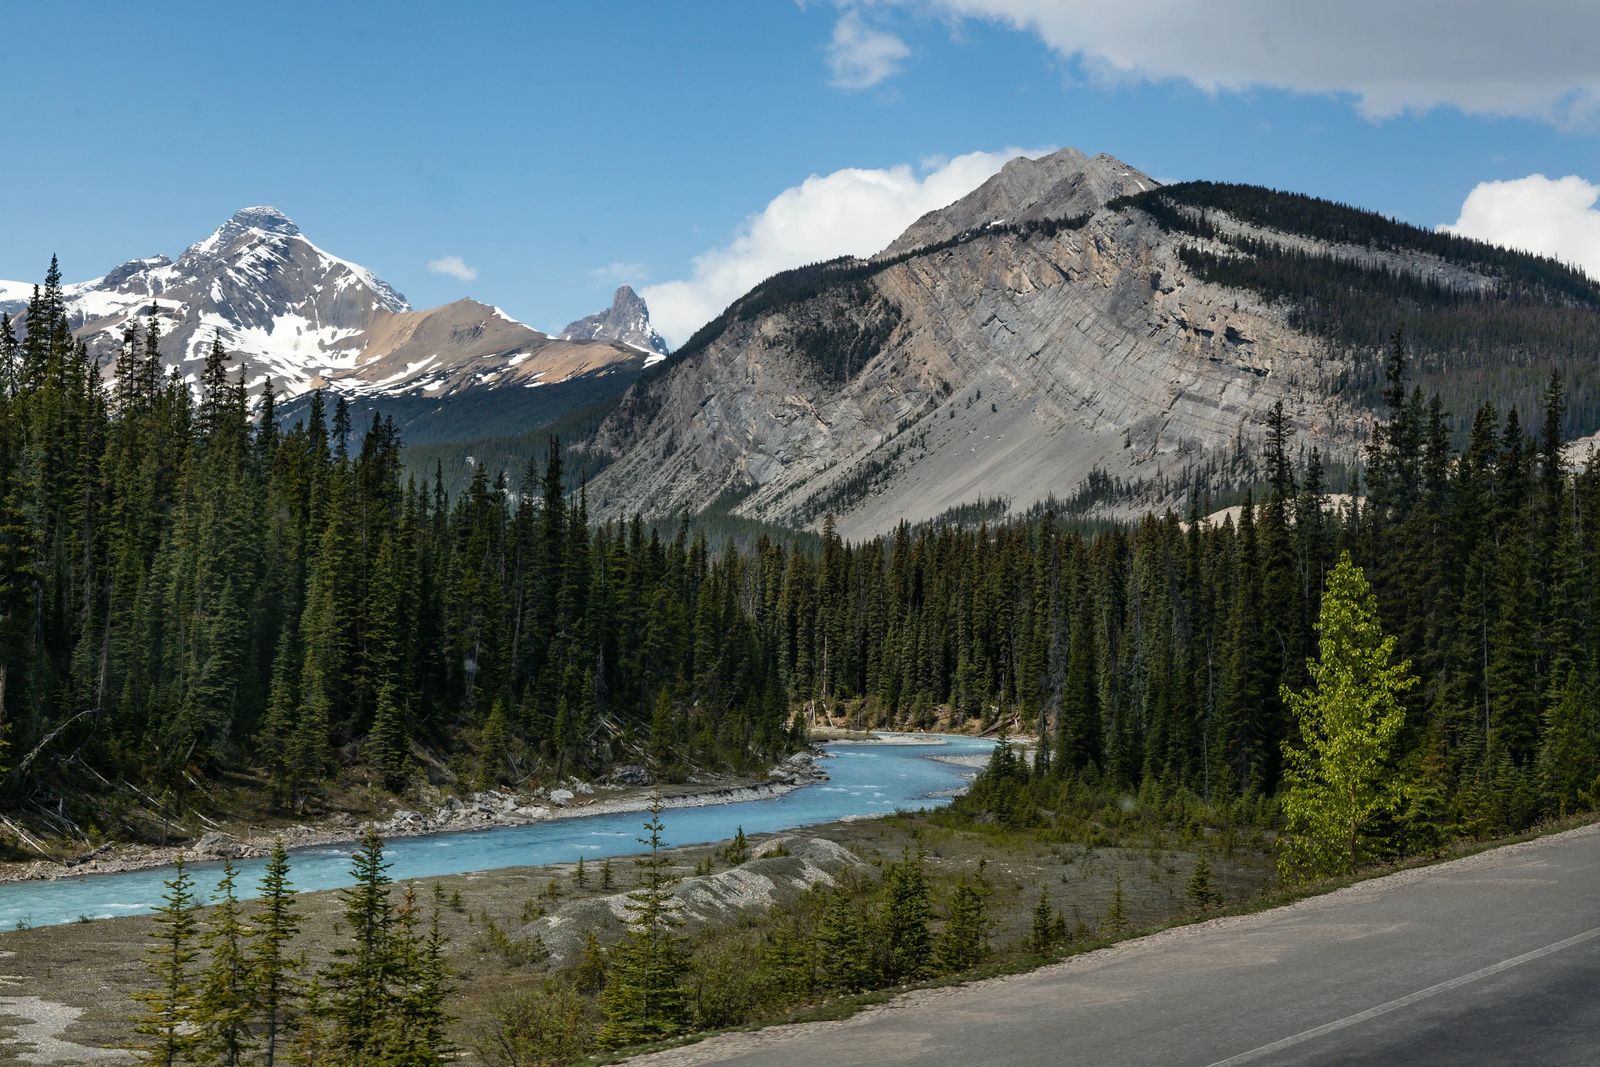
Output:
x=1490 y=959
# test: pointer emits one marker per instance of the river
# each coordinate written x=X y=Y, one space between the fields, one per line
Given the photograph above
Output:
x=864 y=779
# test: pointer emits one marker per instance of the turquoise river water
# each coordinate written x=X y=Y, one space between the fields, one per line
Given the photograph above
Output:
x=865 y=779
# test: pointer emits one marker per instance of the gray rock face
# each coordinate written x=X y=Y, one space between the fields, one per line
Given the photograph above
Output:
x=627 y=320
x=1056 y=186
x=760 y=883
x=1013 y=365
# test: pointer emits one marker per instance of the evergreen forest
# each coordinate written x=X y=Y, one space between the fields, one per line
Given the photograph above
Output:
x=188 y=588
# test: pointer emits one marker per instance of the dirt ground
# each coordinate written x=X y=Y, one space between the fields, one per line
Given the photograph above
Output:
x=65 y=993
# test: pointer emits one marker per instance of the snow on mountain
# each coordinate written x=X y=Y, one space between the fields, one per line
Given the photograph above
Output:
x=304 y=318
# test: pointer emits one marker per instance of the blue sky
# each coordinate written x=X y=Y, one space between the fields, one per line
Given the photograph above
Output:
x=558 y=149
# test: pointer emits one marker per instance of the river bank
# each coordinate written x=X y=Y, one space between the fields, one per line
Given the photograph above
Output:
x=484 y=810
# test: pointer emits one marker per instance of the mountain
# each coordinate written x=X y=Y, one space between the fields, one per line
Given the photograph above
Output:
x=627 y=320
x=1059 y=185
x=307 y=319
x=1073 y=329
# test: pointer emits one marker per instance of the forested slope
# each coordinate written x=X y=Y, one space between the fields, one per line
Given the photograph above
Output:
x=186 y=592
x=190 y=588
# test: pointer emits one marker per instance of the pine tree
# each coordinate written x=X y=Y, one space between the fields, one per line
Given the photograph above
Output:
x=411 y=1031
x=387 y=750
x=226 y=1001
x=589 y=974
x=360 y=978
x=738 y=849
x=642 y=1000
x=843 y=955
x=492 y=756
x=313 y=1043
x=1348 y=720
x=1569 y=770
x=1042 y=934
x=1117 y=914
x=1199 y=891
x=168 y=1021
x=275 y=977
x=965 y=939
x=903 y=933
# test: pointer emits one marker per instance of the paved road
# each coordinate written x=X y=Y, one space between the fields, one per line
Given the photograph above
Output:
x=1490 y=959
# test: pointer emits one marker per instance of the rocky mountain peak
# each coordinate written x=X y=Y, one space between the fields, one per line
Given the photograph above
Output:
x=265 y=218
x=627 y=320
x=1059 y=185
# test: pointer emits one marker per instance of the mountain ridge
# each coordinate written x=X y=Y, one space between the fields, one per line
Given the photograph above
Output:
x=298 y=317
x=1119 y=329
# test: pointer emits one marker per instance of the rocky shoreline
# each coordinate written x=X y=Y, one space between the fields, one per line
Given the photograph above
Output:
x=627 y=789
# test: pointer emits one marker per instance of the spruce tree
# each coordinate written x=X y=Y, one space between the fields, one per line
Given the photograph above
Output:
x=1199 y=891
x=904 y=937
x=844 y=957
x=361 y=977
x=275 y=976
x=964 y=941
x=642 y=1000
x=1117 y=914
x=1569 y=769
x=170 y=1012
x=1337 y=769
x=226 y=997
x=1042 y=933
x=388 y=753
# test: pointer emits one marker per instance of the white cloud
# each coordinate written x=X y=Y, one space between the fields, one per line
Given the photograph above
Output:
x=618 y=273
x=1534 y=59
x=849 y=212
x=454 y=266
x=1552 y=216
x=860 y=56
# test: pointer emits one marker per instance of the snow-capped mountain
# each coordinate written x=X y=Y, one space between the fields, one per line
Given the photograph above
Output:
x=626 y=320
x=305 y=319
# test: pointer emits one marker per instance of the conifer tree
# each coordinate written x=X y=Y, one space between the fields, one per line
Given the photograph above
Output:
x=275 y=977
x=1569 y=764
x=226 y=995
x=387 y=750
x=1117 y=914
x=844 y=957
x=642 y=1000
x=1199 y=891
x=361 y=977
x=1347 y=723
x=904 y=936
x=169 y=1016
x=964 y=941
x=1042 y=933
x=313 y=1042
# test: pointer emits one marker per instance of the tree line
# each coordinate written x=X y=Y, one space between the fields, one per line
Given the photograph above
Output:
x=189 y=587
x=1159 y=651
x=229 y=988
x=186 y=586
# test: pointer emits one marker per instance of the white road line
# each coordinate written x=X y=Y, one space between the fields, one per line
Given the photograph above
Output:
x=1407 y=1000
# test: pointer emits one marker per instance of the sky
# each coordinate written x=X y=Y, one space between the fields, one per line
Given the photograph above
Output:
x=536 y=155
